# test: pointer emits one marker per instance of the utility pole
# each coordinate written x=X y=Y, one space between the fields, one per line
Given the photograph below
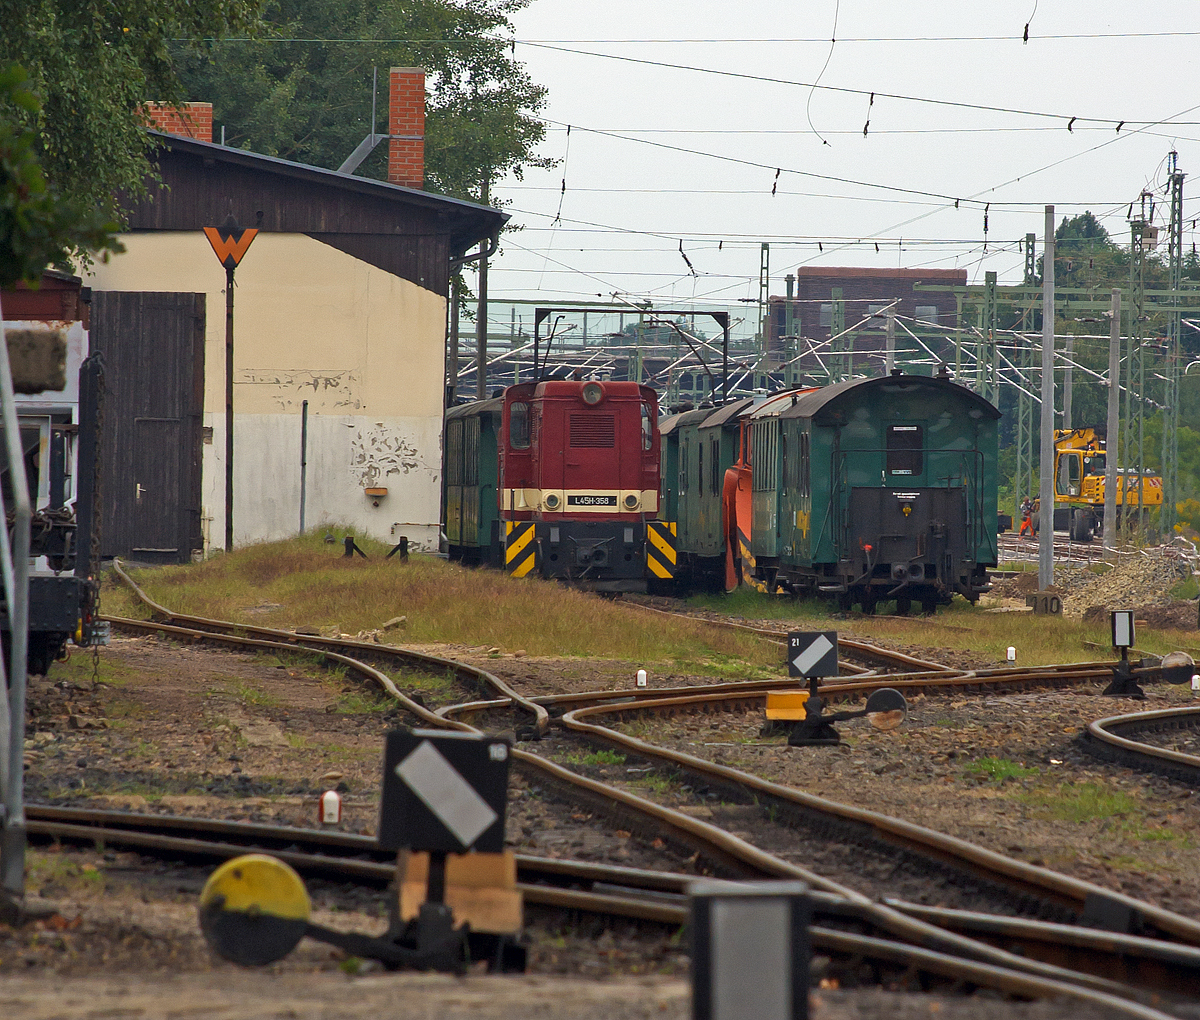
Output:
x=1170 y=438
x=987 y=382
x=481 y=316
x=837 y=326
x=1111 y=445
x=764 y=314
x=890 y=355
x=1135 y=387
x=1025 y=383
x=452 y=355
x=1068 y=383
x=789 y=319
x=1046 y=523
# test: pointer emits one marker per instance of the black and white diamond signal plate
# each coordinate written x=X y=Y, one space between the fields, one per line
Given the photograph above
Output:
x=443 y=792
x=812 y=653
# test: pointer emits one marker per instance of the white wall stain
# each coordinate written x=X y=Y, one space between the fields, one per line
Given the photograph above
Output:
x=378 y=453
x=328 y=390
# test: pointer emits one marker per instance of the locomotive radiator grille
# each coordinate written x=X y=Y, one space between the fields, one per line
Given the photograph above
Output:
x=596 y=431
x=661 y=554
x=519 y=548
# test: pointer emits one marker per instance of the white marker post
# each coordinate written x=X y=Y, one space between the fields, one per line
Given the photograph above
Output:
x=331 y=807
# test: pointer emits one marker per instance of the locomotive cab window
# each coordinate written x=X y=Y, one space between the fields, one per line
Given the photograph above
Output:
x=905 y=447
x=518 y=426
x=647 y=427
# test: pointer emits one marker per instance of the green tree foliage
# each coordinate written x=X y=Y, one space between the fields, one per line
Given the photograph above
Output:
x=288 y=96
x=37 y=227
x=92 y=65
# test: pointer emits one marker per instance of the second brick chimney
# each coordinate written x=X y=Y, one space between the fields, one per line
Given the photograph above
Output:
x=406 y=118
x=191 y=120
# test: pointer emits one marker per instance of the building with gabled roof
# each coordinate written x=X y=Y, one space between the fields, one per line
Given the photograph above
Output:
x=339 y=330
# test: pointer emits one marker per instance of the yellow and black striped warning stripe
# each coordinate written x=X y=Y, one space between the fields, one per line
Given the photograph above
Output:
x=744 y=552
x=660 y=548
x=520 y=550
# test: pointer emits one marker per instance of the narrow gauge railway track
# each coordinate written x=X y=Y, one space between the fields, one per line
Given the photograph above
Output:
x=1064 y=893
x=1111 y=738
x=363 y=650
x=920 y=674
x=914 y=944
x=645 y=896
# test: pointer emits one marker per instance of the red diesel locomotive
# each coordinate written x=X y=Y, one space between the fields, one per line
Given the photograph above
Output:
x=560 y=478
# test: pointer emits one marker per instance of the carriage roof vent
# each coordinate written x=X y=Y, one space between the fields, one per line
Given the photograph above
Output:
x=943 y=371
x=897 y=371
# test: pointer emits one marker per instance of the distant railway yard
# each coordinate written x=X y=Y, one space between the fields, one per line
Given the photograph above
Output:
x=982 y=859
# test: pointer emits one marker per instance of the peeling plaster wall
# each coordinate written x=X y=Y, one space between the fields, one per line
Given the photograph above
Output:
x=364 y=348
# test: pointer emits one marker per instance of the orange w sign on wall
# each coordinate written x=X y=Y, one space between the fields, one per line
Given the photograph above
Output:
x=230 y=241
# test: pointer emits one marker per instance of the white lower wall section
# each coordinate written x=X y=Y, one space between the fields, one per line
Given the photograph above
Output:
x=346 y=455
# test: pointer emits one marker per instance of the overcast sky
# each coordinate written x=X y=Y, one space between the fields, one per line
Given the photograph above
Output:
x=697 y=153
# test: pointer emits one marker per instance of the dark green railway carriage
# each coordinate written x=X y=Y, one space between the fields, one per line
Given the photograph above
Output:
x=885 y=489
x=698 y=447
x=470 y=472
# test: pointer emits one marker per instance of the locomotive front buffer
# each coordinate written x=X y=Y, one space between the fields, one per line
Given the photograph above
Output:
x=456 y=902
x=814 y=657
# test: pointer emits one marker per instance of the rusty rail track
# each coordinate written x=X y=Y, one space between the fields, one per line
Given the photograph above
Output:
x=1080 y=898
x=1111 y=738
x=939 y=950
x=842 y=927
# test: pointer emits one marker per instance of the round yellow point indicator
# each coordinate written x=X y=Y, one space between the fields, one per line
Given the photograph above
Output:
x=254 y=909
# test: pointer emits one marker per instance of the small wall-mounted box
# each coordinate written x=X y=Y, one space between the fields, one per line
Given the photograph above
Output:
x=376 y=492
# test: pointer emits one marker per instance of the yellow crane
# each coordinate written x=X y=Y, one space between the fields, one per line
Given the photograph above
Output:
x=1080 y=459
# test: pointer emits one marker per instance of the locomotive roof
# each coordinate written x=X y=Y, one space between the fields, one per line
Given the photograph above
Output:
x=824 y=402
x=469 y=410
x=571 y=387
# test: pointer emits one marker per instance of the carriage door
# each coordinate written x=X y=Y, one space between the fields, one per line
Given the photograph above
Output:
x=905 y=455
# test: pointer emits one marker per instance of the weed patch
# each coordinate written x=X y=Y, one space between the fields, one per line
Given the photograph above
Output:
x=998 y=770
x=1084 y=802
x=603 y=758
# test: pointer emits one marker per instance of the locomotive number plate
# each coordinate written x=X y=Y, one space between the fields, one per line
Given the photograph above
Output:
x=591 y=501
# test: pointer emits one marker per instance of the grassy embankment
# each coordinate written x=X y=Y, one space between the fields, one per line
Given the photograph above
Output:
x=305 y=582
x=1039 y=640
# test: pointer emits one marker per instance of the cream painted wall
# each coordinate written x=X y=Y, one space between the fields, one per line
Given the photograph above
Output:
x=363 y=347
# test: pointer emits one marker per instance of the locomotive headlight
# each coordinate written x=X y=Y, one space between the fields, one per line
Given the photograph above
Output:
x=592 y=393
x=551 y=501
x=631 y=502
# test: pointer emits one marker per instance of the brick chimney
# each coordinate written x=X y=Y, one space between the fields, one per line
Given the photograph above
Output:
x=406 y=117
x=192 y=120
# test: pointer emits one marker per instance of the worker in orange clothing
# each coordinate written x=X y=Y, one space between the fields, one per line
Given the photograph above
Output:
x=1026 y=518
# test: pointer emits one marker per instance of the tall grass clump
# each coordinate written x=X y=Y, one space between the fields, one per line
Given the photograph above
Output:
x=313 y=585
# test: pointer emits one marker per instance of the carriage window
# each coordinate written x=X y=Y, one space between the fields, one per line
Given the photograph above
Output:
x=805 y=466
x=683 y=467
x=518 y=426
x=647 y=427
x=716 y=467
x=453 y=453
x=700 y=467
x=904 y=450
